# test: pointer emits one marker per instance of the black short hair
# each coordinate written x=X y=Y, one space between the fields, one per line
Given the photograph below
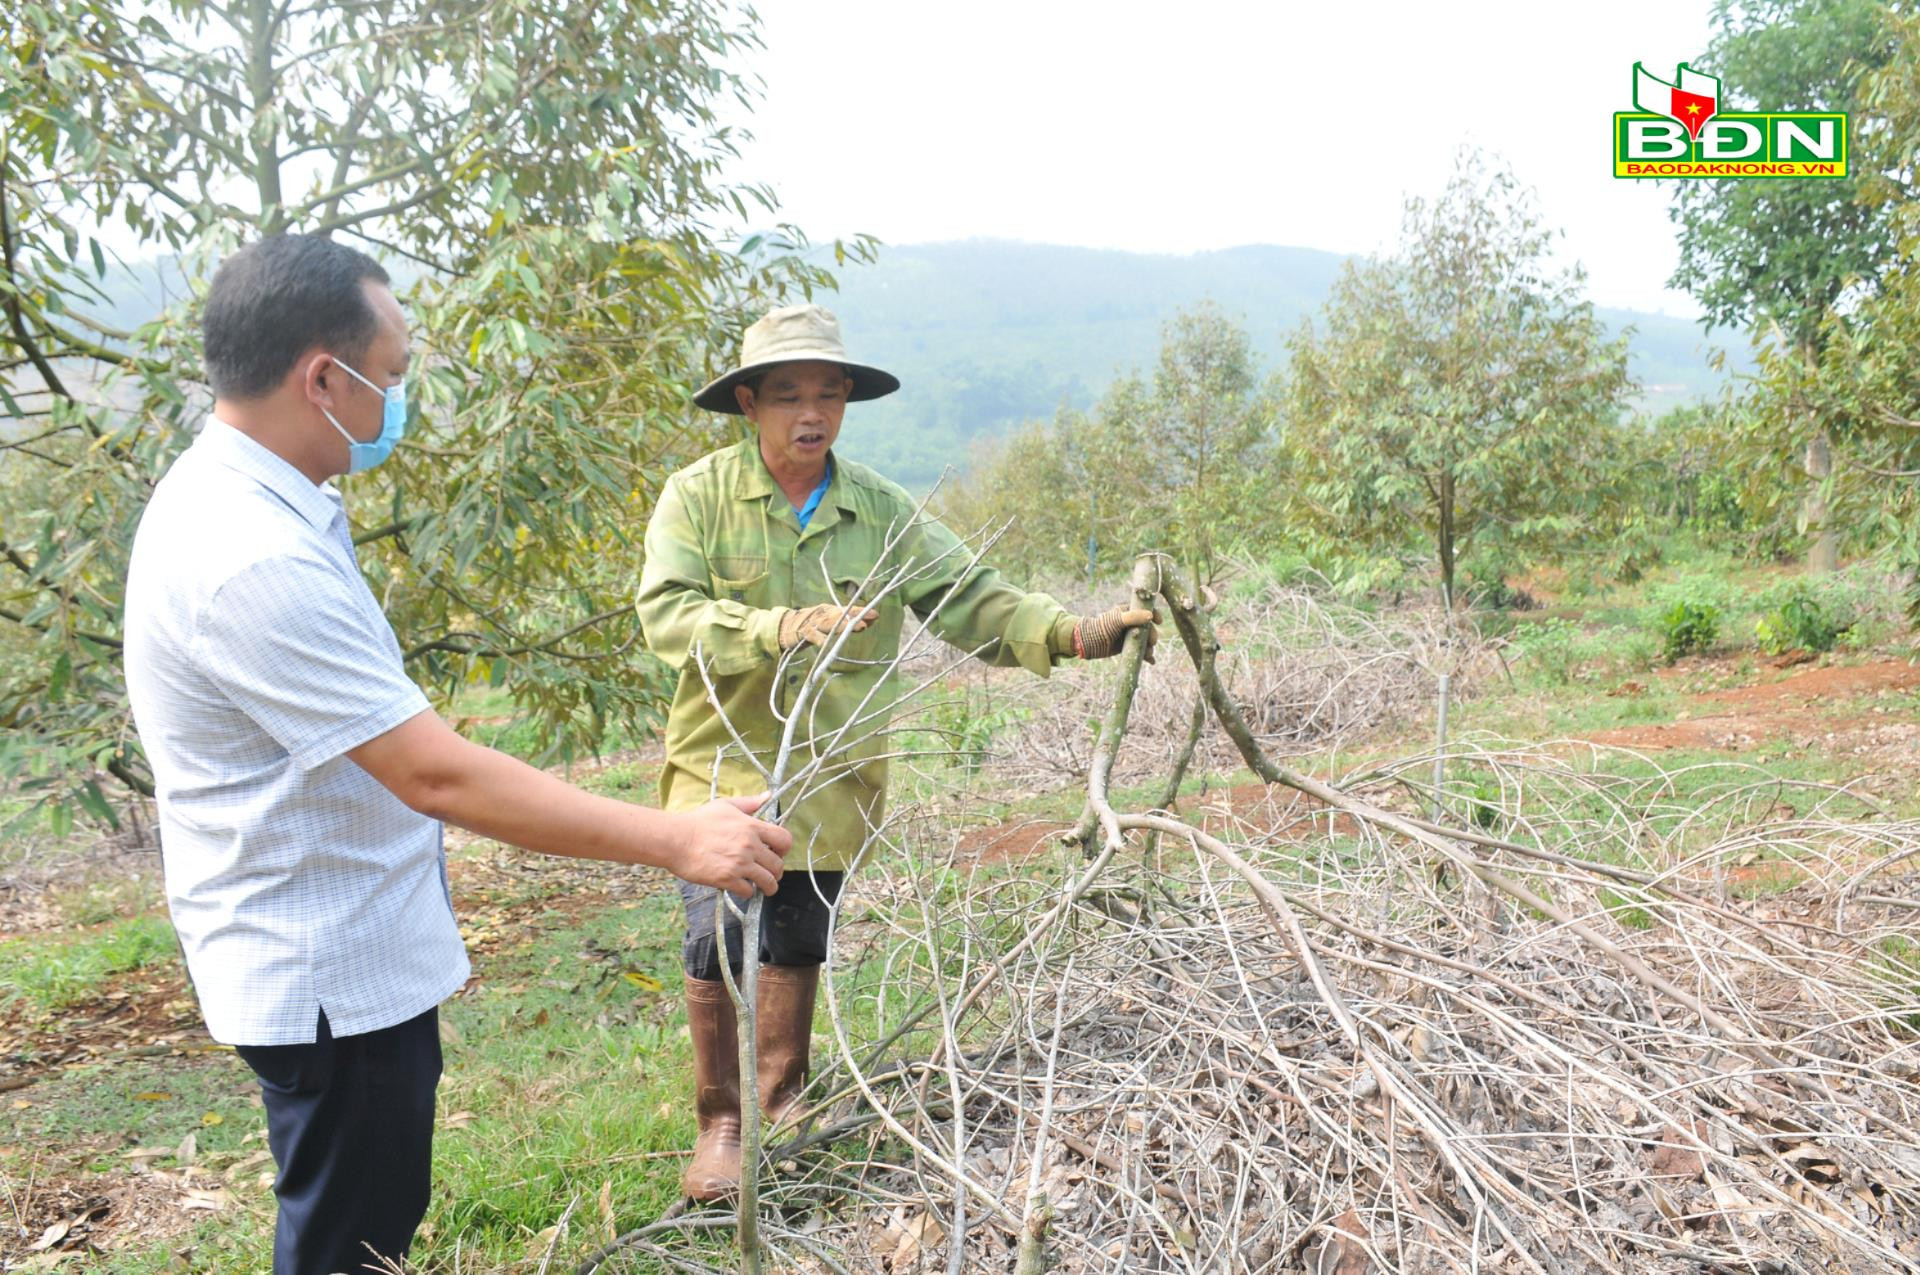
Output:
x=274 y=300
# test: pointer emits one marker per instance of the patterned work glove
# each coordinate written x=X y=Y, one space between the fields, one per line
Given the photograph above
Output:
x=1098 y=637
x=818 y=624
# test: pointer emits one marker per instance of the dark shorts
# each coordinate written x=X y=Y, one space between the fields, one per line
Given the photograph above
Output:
x=794 y=924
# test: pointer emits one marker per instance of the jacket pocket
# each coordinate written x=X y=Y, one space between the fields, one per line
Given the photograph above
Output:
x=740 y=578
x=851 y=574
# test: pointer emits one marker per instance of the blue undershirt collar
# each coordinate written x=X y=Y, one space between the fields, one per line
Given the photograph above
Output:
x=805 y=512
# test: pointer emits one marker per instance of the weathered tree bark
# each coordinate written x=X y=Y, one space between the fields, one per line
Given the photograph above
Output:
x=1824 y=555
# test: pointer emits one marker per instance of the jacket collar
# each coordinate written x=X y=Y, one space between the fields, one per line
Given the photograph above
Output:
x=755 y=482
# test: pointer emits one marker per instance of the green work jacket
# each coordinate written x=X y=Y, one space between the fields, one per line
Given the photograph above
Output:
x=726 y=558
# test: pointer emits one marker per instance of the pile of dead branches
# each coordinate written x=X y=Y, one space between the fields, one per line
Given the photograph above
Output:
x=1308 y=671
x=1587 y=1018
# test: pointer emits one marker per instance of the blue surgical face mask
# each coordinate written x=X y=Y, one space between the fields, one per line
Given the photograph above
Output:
x=393 y=424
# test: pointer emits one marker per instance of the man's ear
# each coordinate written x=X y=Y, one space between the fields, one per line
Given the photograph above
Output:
x=319 y=378
x=744 y=397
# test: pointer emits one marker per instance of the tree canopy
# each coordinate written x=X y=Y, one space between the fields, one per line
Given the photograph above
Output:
x=1181 y=461
x=1461 y=387
x=546 y=180
x=1777 y=257
x=1782 y=252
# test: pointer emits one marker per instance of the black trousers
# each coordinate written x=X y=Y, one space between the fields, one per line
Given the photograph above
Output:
x=793 y=924
x=350 y=1125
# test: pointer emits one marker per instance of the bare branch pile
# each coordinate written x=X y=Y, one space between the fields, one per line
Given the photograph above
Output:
x=1323 y=1033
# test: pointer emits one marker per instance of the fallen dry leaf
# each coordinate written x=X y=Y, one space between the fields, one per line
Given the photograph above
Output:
x=1342 y=1253
x=211 y=1200
x=51 y=1236
x=542 y=1244
x=254 y=1160
x=917 y=1231
x=1676 y=1159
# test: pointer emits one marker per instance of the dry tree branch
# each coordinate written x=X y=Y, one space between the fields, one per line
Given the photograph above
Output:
x=1320 y=1056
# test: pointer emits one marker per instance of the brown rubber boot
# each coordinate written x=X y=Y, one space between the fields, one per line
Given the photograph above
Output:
x=786 y=1034
x=714 y=1171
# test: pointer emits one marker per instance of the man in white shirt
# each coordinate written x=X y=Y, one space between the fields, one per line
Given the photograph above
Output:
x=302 y=777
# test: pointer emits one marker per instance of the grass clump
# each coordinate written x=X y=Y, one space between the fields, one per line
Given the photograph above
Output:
x=51 y=975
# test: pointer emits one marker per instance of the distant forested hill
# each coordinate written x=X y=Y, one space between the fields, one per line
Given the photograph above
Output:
x=985 y=334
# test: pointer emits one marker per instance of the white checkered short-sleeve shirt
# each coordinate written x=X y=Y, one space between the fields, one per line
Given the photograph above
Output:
x=256 y=656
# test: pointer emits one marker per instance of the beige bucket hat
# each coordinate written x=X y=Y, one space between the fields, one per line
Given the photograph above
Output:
x=794 y=334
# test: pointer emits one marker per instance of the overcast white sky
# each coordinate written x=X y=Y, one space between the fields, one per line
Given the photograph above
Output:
x=1199 y=124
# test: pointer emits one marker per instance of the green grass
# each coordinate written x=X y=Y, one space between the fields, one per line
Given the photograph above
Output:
x=1895 y=962
x=99 y=1110
x=52 y=972
x=576 y=1076
x=1625 y=911
x=567 y=1072
x=629 y=781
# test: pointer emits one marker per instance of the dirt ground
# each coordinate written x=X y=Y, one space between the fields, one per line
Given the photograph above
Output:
x=1828 y=710
x=1810 y=709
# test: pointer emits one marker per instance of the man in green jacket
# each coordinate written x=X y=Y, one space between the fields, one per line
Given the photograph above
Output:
x=762 y=558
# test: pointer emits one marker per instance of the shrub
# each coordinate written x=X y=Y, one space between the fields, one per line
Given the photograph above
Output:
x=1551 y=650
x=1558 y=652
x=1688 y=626
x=1801 y=620
x=966 y=732
x=1799 y=623
x=1483 y=807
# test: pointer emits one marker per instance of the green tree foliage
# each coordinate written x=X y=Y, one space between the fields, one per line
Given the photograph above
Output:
x=548 y=176
x=1859 y=373
x=1208 y=433
x=1460 y=392
x=1714 y=469
x=1778 y=256
x=1862 y=378
x=1781 y=253
x=1181 y=461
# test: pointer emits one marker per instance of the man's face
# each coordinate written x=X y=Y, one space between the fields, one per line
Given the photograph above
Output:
x=797 y=410
x=358 y=406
